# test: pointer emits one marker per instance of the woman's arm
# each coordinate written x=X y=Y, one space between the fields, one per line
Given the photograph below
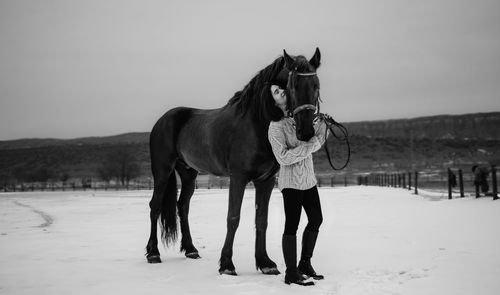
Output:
x=288 y=156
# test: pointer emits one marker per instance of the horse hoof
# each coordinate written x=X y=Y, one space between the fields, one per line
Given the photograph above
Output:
x=270 y=271
x=193 y=255
x=154 y=259
x=228 y=272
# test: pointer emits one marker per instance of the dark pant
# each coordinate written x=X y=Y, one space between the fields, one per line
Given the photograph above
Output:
x=294 y=200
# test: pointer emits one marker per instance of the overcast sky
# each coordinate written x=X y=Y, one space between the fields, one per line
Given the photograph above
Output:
x=100 y=67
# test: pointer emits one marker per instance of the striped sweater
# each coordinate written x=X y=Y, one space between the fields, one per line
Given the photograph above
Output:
x=294 y=156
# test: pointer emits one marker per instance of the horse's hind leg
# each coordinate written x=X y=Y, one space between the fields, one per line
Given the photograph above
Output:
x=165 y=186
x=188 y=179
x=152 y=252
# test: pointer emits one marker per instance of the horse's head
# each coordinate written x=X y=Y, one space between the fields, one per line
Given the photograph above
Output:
x=302 y=92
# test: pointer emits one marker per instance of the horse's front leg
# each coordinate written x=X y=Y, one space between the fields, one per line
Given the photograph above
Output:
x=236 y=190
x=263 y=191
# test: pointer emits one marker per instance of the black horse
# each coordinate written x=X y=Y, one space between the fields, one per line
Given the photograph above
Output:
x=229 y=141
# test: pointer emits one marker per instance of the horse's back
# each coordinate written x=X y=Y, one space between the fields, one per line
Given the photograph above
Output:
x=204 y=140
x=217 y=141
x=170 y=124
x=179 y=131
x=164 y=135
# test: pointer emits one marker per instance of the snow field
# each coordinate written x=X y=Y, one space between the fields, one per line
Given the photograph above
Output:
x=373 y=241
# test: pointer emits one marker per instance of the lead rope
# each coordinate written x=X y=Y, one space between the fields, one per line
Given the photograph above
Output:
x=330 y=122
x=343 y=137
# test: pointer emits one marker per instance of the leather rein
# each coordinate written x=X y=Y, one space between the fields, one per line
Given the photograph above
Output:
x=331 y=124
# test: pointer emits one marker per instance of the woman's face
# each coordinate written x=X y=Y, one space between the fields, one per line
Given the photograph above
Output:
x=278 y=95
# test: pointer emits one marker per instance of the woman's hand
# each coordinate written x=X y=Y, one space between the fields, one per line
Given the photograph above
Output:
x=326 y=118
x=320 y=130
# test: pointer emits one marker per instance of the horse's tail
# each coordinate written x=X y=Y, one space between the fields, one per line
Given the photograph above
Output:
x=163 y=152
x=168 y=213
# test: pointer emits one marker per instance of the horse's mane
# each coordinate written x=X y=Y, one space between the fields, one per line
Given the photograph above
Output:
x=256 y=95
x=251 y=97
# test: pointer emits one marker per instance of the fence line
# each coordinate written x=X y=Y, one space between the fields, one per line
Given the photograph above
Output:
x=411 y=180
x=415 y=180
x=207 y=182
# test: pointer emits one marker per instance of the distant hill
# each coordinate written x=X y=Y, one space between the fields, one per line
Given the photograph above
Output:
x=420 y=143
x=26 y=143
x=483 y=126
x=468 y=126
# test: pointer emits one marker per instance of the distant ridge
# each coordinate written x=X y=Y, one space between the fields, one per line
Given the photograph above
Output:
x=437 y=143
x=26 y=143
x=466 y=126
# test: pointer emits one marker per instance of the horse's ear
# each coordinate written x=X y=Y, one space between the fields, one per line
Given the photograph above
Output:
x=316 y=59
x=289 y=61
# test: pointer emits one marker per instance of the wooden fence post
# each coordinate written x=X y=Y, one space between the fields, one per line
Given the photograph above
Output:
x=494 y=182
x=409 y=181
x=477 y=190
x=416 y=182
x=449 y=184
x=461 y=183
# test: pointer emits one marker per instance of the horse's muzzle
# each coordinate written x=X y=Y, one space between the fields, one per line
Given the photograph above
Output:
x=305 y=132
x=304 y=136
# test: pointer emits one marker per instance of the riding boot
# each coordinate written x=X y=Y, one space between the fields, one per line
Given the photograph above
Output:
x=308 y=243
x=292 y=275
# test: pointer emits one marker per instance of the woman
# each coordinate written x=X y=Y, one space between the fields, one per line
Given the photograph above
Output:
x=297 y=182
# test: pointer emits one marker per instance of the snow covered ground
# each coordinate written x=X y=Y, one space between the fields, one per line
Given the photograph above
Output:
x=373 y=241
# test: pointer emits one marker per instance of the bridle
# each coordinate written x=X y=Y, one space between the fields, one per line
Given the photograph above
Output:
x=329 y=121
x=291 y=79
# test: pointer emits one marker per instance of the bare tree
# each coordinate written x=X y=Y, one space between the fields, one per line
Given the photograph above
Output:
x=105 y=171
x=121 y=164
x=64 y=176
x=5 y=180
